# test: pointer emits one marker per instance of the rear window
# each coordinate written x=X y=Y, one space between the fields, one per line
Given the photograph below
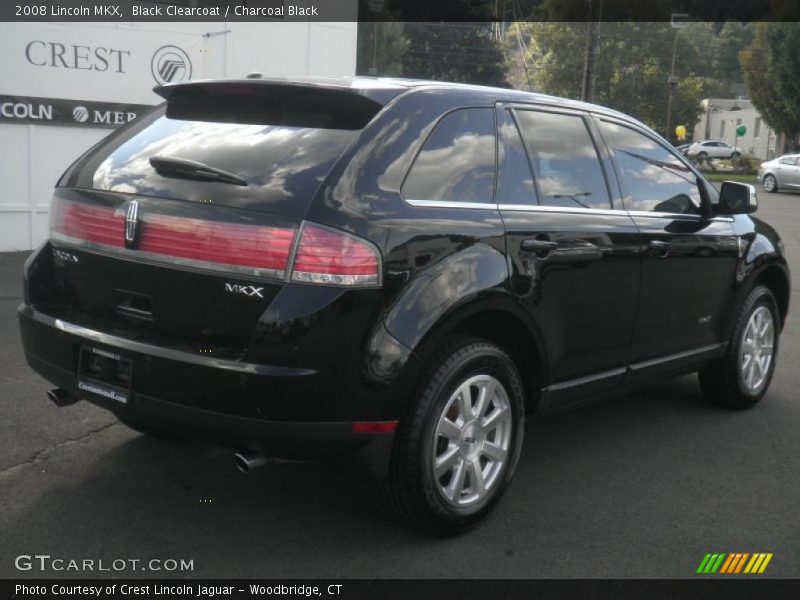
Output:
x=457 y=161
x=283 y=153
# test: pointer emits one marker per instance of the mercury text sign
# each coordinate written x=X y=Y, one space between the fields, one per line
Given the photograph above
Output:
x=60 y=111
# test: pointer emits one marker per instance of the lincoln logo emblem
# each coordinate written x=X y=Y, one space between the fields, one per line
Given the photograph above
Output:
x=132 y=225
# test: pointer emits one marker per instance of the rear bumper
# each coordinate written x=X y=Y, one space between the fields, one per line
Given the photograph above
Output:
x=226 y=401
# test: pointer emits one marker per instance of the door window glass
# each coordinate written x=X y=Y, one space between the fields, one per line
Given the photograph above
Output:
x=515 y=181
x=566 y=167
x=457 y=161
x=654 y=178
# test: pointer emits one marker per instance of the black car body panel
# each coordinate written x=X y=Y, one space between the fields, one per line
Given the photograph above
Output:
x=587 y=300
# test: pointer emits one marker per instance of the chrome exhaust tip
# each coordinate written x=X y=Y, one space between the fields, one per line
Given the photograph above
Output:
x=61 y=397
x=246 y=461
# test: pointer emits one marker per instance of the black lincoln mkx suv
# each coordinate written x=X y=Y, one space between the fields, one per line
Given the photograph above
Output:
x=387 y=275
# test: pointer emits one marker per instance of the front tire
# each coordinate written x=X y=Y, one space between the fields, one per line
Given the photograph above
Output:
x=740 y=379
x=458 y=446
x=770 y=184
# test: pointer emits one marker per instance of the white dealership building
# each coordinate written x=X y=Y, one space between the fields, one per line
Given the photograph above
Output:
x=721 y=117
x=64 y=86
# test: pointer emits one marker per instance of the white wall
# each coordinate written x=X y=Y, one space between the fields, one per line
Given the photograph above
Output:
x=734 y=113
x=33 y=156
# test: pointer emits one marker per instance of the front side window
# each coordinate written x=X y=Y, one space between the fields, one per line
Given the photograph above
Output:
x=566 y=167
x=457 y=161
x=654 y=178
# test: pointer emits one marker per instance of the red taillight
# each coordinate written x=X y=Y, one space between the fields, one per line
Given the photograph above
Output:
x=374 y=426
x=255 y=246
x=323 y=256
x=260 y=250
x=86 y=223
x=331 y=257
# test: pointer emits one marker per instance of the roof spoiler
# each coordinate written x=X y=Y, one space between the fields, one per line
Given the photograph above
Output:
x=274 y=102
x=376 y=94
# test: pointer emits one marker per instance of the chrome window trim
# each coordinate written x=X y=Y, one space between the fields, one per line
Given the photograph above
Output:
x=451 y=204
x=564 y=209
x=667 y=215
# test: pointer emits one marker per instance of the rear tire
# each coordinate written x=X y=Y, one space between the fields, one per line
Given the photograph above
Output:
x=459 y=443
x=740 y=378
x=148 y=430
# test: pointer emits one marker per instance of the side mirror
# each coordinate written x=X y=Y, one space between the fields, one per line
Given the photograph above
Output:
x=736 y=198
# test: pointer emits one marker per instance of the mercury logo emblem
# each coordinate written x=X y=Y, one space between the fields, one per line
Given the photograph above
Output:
x=80 y=114
x=170 y=64
x=132 y=225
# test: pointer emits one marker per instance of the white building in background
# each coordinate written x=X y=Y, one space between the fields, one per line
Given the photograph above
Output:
x=64 y=86
x=722 y=116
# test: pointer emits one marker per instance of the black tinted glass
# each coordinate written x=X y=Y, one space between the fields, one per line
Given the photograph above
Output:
x=654 y=178
x=565 y=162
x=277 y=161
x=515 y=181
x=457 y=162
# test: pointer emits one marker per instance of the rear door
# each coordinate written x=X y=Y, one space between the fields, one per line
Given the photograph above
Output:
x=689 y=260
x=573 y=248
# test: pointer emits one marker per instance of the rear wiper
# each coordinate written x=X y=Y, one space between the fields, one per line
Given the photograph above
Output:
x=169 y=166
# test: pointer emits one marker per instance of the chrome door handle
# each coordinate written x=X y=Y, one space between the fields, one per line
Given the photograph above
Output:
x=538 y=245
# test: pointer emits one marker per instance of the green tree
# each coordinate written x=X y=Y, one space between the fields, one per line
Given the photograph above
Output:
x=457 y=52
x=770 y=66
x=381 y=47
x=632 y=71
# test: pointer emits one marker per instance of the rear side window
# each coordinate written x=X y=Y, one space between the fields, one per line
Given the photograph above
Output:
x=457 y=161
x=654 y=178
x=566 y=166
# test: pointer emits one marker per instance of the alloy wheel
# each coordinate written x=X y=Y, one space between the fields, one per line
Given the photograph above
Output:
x=472 y=441
x=757 y=349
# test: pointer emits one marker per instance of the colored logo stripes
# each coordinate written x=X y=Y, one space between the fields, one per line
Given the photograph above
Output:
x=735 y=562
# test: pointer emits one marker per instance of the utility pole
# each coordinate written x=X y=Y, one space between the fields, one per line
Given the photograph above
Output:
x=677 y=22
x=592 y=50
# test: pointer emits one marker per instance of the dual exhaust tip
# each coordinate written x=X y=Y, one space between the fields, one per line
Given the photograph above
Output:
x=245 y=460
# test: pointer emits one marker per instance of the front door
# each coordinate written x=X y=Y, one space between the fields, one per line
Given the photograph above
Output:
x=688 y=259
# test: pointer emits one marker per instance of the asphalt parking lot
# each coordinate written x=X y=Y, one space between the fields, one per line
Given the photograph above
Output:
x=637 y=486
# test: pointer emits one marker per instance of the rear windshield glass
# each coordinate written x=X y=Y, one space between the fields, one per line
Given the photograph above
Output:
x=273 y=159
x=279 y=154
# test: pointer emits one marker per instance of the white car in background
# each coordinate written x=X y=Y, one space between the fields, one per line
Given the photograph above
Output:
x=712 y=149
x=780 y=173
